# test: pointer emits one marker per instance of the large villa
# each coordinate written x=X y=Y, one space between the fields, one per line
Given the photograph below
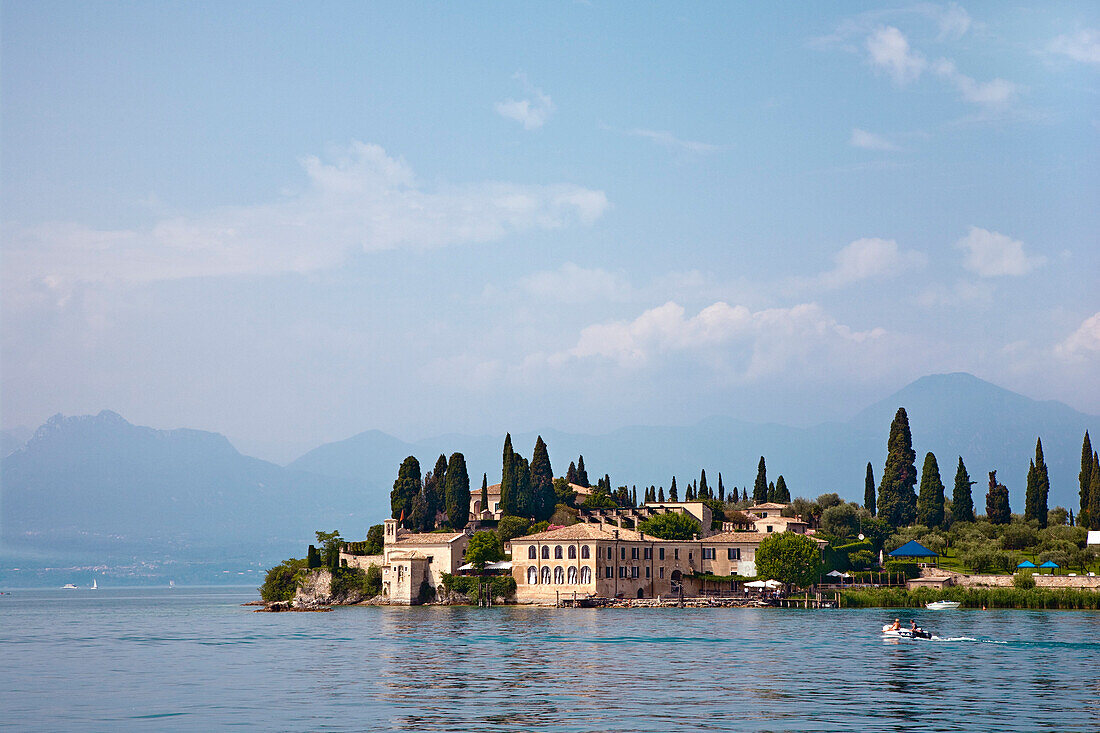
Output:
x=598 y=557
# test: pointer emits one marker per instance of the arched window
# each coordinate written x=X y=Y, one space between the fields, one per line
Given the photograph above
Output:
x=586 y=575
x=532 y=575
x=571 y=576
x=559 y=575
x=546 y=552
x=572 y=552
x=557 y=552
x=584 y=552
x=546 y=575
x=531 y=553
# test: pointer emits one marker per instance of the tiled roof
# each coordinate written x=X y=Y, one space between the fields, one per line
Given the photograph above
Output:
x=768 y=505
x=581 y=532
x=427 y=538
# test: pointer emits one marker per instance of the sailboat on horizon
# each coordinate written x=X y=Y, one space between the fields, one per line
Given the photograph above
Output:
x=95 y=585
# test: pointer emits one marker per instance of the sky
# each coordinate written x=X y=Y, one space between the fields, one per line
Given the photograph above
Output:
x=292 y=222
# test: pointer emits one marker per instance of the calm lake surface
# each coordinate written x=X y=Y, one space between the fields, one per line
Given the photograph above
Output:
x=193 y=659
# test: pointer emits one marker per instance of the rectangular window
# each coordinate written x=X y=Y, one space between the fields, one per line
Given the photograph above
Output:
x=708 y=553
x=733 y=553
x=661 y=554
x=676 y=553
x=690 y=556
x=649 y=553
x=622 y=571
x=634 y=572
x=647 y=572
x=633 y=553
x=610 y=553
x=769 y=528
x=622 y=553
x=661 y=572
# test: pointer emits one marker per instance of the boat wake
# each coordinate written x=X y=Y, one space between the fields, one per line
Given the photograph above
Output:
x=966 y=638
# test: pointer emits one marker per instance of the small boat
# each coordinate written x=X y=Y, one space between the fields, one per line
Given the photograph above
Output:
x=68 y=586
x=904 y=633
x=95 y=585
x=942 y=605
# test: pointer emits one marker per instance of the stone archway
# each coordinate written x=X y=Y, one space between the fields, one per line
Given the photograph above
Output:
x=641 y=593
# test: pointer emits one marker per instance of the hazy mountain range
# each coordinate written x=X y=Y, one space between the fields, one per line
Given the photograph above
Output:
x=93 y=485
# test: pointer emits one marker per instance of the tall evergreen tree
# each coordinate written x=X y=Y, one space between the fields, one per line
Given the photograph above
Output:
x=689 y=493
x=704 y=490
x=962 y=501
x=582 y=475
x=782 y=494
x=1094 y=494
x=760 y=488
x=405 y=489
x=457 y=493
x=1042 y=481
x=744 y=493
x=869 y=490
x=418 y=516
x=661 y=495
x=313 y=558
x=897 y=498
x=571 y=474
x=721 y=488
x=931 y=499
x=507 y=478
x=771 y=491
x=1084 y=478
x=436 y=498
x=485 y=492
x=542 y=482
x=673 y=495
x=521 y=485
x=997 y=509
x=634 y=496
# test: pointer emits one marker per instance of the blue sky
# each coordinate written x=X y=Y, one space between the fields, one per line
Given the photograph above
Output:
x=290 y=222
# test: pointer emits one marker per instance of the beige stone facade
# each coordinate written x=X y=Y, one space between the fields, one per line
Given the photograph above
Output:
x=409 y=559
x=602 y=560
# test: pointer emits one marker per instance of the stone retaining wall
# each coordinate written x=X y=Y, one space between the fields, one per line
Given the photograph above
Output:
x=995 y=581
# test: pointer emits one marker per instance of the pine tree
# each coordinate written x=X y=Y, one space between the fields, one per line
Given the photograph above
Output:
x=1085 y=480
x=507 y=480
x=582 y=475
x=457 y=492
x=673 y=495
x=962 y=501
x=542 y=482
x=997 y=510
x=1094 y=494
x=721 y=488
x=897 y=498
x=760 y=488
x=930 y=502
x=405 y=488
x=661 y=495
x=571 y=474
x=869 y=490
x=782 y=494
x=485 y=492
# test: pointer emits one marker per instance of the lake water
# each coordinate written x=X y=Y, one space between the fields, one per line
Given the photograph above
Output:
x=193 y=659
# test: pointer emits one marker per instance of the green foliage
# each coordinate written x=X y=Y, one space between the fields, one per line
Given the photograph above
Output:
x=717 y=512
x=374 y=540
x=542 y=482
x=1057 y=517
x=897 y=499
x=997 y=510
x=281 y=581
x=599 y=499
x=902 y=567
x=782 y=494
x=673 y=494
x=457 y=492
x=582 y=474
x=330 y=543
x=1019 y=536
x=509 y=527
x=313 y=558
x=862 y=559
x=760 y=487
x=1038 y=488
x=1094 y=494
x=564 y=515
x=986 y=560
x=930 y=501
x=484 y=492
x=1084 y=480
x=869 y=491
x=507 y=480
x=1023 y=580
x=1035 y=598
x=434 y=501
x=962 y=501
x=426 y=592
x=563 y=493
x=671 y=526
x=789 y=558
x=484 y=547
x=348 y=581
x=502 y=586
x=841 y=521
x=405 y=488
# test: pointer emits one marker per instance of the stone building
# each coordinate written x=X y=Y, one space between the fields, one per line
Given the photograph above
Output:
x=410 y=559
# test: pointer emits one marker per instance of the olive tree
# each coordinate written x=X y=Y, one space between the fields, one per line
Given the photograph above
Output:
x=790 y=558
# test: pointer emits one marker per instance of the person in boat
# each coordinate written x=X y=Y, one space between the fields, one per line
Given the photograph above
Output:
x=896 y=625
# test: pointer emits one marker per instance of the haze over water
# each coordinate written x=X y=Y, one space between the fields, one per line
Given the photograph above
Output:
x=192 y=659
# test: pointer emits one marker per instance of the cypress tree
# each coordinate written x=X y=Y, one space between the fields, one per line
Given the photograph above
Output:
x=457 y=492
x=744 y=493
x=782 y=494
x=571 y=474
x=1094 y=494
x=485 y=492
x=771 y=491
x=418 y=517
x=661 y=495
x=673 y=495
x=507 y=481
x=689 y=492
x=582 y=475
x=405 y=488
x=760 y=488
x=634 y=496
x=704 y=490
x=436 y=498
x=997 y=509
x=897 y=498
x=1084 y=479
x=1043 y=482
x=930 y=502
x=869 y=490
x=313 y=558
x=521 y=485
x=721 y=488
x=962 y=501
x=543 y=497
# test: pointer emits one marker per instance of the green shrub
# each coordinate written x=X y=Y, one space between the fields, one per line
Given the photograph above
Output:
x=346 y=581
x=671 y=526
x=503 y=586
x=985 y=560
x=1023 y=581
x=908 y=569
x=861 y=559
x=1019 y=537
x=281 y=581
x=1037 y=598
x=510 y=527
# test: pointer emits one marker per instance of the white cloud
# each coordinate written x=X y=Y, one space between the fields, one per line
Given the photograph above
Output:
x=994 y=92
x=992 y=254
x=889 y=50
x=573 y=284
x=1086 y=339
x=953 y=21
x=869 y=258
x=1083 y=46
x=365 y=200
x=763 y=341
x=667 y=139
x=532 y=113
x=870 y=141
x=964 y=292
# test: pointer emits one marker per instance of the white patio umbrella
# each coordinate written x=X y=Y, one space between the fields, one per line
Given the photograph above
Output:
x=772 y=584
x=756 y=584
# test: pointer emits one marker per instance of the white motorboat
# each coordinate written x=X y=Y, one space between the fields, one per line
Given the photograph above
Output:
x=942 y=605
x=905 y=633
x=68 y=586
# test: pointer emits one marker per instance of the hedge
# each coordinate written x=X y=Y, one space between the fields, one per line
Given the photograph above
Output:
x=503 y=586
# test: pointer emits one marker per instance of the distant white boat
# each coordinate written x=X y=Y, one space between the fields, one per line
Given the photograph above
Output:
x=171 y=584
x=942 y=605
x=95 y=585
x=68 y=586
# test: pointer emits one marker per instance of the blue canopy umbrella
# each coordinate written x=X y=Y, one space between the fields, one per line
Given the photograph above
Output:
x=912 y=548
x=1050 y=564
x=1026 y=564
